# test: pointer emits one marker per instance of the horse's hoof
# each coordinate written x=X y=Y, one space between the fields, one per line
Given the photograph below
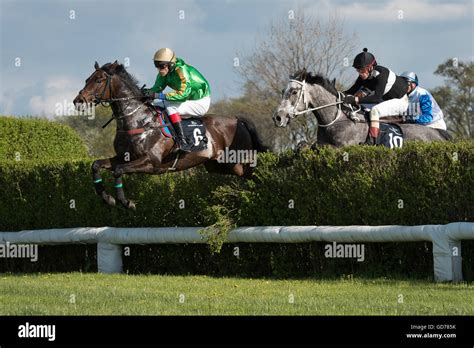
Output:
x=108 y=199
x=302 y=145
x=129 y=205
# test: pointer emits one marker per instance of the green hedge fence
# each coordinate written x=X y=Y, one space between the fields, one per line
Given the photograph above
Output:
x=419 y=184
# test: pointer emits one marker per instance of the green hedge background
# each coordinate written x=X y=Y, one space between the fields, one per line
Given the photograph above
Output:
x=325 y=189
x=38 y=139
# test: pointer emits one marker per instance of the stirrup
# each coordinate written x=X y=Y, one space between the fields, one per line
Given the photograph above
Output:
x=355 y=117
x=183 y=145
x=370 y=140
x=353 y=114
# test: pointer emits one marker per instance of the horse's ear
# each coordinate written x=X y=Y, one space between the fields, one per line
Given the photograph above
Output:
x=96 y=65
x=333 y=82
x=115 y=66
x=299 y=75
x=303 y=74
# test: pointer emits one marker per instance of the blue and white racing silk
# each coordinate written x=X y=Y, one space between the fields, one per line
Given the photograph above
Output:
x=422 y=108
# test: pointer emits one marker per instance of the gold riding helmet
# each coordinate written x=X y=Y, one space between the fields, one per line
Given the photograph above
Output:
x=165 y=56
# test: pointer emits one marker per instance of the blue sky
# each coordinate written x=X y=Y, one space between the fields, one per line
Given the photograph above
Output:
x=57 y=53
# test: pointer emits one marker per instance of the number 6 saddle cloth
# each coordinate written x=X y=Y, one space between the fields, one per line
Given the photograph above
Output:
x=193 y=128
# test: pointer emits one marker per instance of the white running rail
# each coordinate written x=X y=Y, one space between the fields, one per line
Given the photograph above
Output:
x=446 y=239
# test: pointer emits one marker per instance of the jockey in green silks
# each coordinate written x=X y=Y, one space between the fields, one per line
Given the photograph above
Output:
x=191 y=95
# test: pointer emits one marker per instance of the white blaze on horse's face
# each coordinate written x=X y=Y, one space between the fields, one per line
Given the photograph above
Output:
x=293 y=101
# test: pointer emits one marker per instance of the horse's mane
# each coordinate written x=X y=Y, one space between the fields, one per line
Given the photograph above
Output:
x=126 y=77
x=317 y=79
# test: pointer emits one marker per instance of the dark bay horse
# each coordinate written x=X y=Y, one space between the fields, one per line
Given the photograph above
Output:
x=335 y=127
x=139 y=143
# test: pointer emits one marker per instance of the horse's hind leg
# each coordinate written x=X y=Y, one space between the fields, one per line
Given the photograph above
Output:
x=141 y=165
x=239 y=169
x=120 y=194
x=212 y=166
x=248 y=171
x=98 y=184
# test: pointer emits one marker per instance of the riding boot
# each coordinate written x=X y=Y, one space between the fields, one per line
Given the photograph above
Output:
x=181 y=140
x=373 y=135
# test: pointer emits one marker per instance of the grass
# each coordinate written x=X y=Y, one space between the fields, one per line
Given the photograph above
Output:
x=98 y=294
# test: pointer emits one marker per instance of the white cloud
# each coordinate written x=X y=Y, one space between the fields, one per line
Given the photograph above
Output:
x=6 y=104
x=58 y=92
x=409 y=10
x=198 y=39
x=10 y=97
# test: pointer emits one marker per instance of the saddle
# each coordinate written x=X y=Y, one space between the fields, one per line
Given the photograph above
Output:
x=391 y=134
x=193 y=127
x=363 y=116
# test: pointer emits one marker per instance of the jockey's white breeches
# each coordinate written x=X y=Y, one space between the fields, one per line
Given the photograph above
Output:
x=187 y=108
x=392 y=107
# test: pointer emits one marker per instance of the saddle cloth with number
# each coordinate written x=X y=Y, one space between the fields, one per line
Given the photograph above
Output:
x=391 y=136
x=195 y=133
x=193 y=127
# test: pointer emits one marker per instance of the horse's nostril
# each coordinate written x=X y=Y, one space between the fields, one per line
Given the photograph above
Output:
x=278 y=118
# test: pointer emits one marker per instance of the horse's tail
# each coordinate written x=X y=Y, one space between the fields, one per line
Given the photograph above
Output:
x=445 y=134
x=256 y=142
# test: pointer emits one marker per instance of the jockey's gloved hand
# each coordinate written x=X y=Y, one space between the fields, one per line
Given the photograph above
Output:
x=160 y=96
x=349 y=99
x=149 y=93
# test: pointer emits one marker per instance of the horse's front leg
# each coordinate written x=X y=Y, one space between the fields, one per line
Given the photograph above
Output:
x=97 y=178
x=141 y=165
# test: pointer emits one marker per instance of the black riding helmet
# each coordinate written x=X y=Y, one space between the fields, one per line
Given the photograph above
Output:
x=363 y=59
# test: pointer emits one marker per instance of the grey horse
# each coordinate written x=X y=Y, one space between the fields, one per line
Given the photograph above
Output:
x=336 y=126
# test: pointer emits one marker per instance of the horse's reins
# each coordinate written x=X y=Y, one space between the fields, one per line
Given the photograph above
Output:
x=303 y=94
x=130 y=131
x=101 y=100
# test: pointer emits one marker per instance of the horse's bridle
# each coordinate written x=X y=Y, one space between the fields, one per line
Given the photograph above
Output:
x=302 y=93
x=102 y=101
